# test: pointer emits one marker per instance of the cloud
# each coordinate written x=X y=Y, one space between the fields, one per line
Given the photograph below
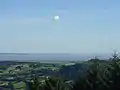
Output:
x=56 y=17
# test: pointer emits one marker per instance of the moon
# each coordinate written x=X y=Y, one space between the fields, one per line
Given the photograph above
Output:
x=56 y=18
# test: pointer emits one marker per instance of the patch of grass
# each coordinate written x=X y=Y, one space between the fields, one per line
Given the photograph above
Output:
x=19 y=86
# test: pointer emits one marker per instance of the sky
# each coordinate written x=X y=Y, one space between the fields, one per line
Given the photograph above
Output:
x=85 y=26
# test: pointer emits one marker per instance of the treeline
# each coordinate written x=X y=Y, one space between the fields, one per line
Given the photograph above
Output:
x=101 y=75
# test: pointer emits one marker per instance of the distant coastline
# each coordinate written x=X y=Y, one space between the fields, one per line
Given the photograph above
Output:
x=50 y=56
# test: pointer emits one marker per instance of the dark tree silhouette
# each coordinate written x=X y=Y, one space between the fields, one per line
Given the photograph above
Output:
x=50 y=83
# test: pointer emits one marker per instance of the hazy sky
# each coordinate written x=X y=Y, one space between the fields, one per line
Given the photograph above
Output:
x=85 y=26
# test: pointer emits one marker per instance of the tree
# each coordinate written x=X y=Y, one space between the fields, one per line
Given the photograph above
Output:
x=54 y=83
x=50 y=83
x=113 y=74
x=36 y=84
x=92 y=79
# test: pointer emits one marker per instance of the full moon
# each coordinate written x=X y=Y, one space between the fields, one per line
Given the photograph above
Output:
x=56 y=17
